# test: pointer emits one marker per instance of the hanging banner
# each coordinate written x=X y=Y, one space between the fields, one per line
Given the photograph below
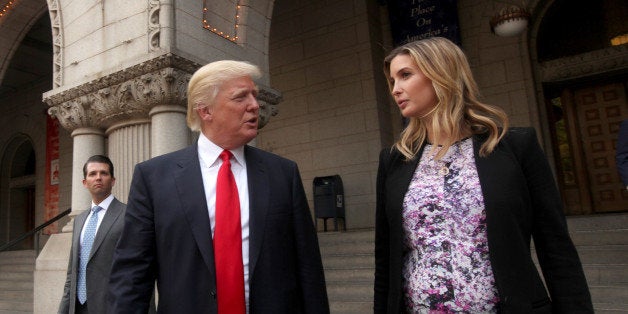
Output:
x=51 y=186
x=412 y=20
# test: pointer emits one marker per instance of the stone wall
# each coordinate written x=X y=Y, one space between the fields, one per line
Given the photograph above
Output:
x=322 y=60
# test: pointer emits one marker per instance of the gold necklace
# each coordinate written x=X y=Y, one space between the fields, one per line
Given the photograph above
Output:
x=443 y=170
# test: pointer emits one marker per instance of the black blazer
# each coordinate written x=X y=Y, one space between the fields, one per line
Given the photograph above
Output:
x=522 y=203
x=167 y=237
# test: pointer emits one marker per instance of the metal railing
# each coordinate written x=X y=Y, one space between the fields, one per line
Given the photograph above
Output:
x=35 y=231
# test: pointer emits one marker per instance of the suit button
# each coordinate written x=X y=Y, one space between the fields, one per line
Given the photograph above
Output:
x=212 y=294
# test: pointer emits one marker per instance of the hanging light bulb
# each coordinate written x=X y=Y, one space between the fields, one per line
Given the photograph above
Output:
x=510 y=21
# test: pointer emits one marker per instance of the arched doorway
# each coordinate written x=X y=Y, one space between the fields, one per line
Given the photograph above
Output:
x=17 y=200
x=585 y=100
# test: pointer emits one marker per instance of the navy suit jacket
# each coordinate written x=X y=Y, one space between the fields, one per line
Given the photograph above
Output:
x=167 y=237
x=99 y=263
x=521 y=203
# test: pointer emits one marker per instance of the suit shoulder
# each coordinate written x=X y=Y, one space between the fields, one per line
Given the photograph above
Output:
x=520 y=136
x=117 y=202
x=169 y=157
x=260 y=154
x=391 y=155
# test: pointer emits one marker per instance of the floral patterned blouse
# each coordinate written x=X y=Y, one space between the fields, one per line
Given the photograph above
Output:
x=446 y=260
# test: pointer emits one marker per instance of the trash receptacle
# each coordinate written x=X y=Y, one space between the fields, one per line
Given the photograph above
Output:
x=329 y=201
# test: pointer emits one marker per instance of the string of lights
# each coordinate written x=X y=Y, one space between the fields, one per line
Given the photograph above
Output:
x=230 y=36
x=6 y=7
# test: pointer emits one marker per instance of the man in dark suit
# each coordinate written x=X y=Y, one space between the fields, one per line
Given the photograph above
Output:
x=178 y=222
x=86 y=289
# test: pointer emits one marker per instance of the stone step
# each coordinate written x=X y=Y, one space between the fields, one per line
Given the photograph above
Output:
x=16 y=285
x=600 y=237
x=351 y=307
x=367 y=235
x=343 y=261
x=350 y=275
x=19 y=260
x=597 y=222
x=18 y=253
x=348 y=248
x=17 y=268
x=15 y=276
x=603 y=254
x=598 y=274
x=15 y=307
x=612 y=294
x=610 y=308
x=350 y=292
x=16 y=295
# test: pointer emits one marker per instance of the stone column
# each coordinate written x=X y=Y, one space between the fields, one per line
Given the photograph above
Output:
x=169 y=131
x=87 y=141
x=129 y=143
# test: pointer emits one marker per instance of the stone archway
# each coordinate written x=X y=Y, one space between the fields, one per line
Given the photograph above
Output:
x=581 y=88
x=17 y=190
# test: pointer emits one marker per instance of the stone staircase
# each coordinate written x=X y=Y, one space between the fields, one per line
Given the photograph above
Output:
x=349 y=262
x=16 y=281
x=348 y=258
x=602 y=243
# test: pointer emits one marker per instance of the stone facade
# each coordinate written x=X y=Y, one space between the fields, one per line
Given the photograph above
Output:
x=119 y=71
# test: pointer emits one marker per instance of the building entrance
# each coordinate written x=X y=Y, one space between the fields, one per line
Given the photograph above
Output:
x=585 y=125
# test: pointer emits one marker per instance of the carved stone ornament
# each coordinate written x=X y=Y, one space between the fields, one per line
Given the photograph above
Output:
x=586 y=64
x=123 y=95
x=133 y=92
x=268 y=99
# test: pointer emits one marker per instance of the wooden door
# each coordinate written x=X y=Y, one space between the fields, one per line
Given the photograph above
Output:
x=599 y=110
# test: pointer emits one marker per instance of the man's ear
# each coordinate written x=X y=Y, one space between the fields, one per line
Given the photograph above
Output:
x=205 y=113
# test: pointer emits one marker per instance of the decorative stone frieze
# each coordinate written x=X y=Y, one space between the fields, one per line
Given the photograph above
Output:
x=591 y=63
x=133 y=92
x=123 y=95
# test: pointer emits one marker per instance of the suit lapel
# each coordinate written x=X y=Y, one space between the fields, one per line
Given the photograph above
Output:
x=258 y=182
x=76 y=237
x=189 y=184
x=489 y=170
x=400 y=175
x=111 y=215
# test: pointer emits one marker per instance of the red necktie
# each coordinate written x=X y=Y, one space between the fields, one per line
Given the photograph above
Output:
x=228 y=242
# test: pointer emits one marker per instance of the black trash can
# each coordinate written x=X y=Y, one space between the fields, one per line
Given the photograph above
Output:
x=329 y=201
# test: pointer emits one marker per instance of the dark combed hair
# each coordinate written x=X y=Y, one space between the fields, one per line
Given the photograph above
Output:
x=100 y=159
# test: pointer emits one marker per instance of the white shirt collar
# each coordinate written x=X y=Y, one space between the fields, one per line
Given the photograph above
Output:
x=209 y=152
x=105 y=203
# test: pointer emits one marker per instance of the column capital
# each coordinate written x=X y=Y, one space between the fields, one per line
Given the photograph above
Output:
x=123 y=95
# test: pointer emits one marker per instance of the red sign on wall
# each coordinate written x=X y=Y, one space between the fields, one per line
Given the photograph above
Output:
x=51 y=186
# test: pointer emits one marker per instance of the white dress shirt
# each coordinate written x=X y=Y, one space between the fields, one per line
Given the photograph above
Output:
x=101 y=214
x=208 y=154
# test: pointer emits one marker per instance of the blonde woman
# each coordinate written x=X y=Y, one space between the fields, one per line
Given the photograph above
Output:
x=460 y=196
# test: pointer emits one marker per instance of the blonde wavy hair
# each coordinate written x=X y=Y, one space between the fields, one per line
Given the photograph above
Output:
x=206 y=81
x=458 y=110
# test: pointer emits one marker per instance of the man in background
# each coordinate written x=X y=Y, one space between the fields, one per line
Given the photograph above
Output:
x=94 y=236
